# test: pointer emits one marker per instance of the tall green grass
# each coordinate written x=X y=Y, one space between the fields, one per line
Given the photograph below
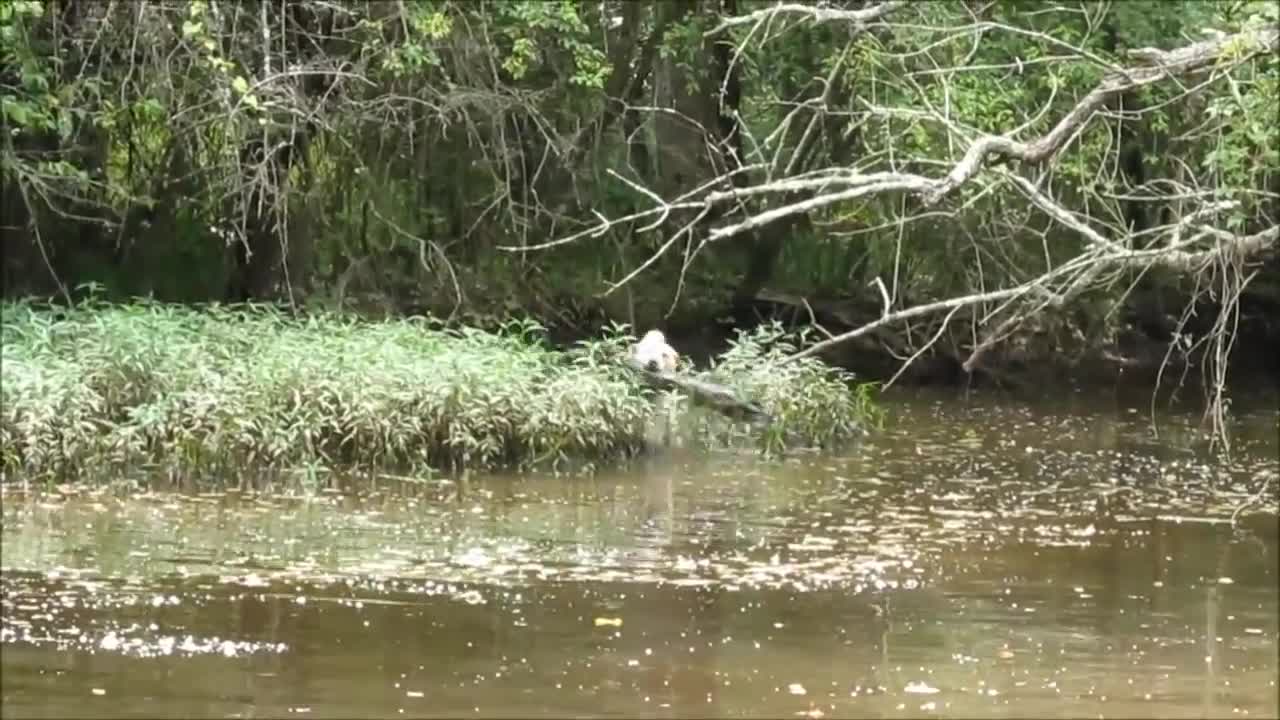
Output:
x=100 y=390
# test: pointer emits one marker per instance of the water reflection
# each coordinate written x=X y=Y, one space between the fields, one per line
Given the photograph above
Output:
x=975 y=560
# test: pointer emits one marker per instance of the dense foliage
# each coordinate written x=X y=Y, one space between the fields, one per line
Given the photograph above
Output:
x=387 y=156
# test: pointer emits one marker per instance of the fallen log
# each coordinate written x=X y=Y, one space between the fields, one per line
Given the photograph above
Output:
x=703 y=393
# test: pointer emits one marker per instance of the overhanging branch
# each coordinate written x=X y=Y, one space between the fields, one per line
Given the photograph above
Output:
x=1186 y=60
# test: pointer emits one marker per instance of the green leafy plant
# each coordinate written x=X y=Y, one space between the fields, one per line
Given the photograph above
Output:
x=230 y=390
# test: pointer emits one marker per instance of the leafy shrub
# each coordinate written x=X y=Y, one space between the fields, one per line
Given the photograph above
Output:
x=219 y=390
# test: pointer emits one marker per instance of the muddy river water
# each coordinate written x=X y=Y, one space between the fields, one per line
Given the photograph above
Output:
x=981 y=557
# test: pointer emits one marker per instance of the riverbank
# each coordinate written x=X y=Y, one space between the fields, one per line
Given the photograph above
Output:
x=216 y=392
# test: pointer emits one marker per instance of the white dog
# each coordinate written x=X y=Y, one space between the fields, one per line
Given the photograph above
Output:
x=654 y=353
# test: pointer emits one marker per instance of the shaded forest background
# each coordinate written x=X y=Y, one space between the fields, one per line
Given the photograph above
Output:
x=480 y=160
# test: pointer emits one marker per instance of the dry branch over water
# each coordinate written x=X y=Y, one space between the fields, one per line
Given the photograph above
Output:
x=214 y=393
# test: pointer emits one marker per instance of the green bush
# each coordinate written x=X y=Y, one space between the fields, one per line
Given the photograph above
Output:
x=222 y=390
x=809 y=402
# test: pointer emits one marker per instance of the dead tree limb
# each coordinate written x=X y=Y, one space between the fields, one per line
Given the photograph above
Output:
x=1229 y=246
x=718 y=397
x=1183 y=61
x=1193 y=240
x=814 y=13
x=1231 y=49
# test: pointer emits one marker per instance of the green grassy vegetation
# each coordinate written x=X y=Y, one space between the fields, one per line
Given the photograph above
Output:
x=810 y=403
x=101 y=391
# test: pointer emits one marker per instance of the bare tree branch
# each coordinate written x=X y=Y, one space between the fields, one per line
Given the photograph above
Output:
x=814 y=13
x=1192 y=58
x=1232 y=49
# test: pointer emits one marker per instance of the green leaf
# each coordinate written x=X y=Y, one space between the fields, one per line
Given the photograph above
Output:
x=240 y=84
x=18 y=112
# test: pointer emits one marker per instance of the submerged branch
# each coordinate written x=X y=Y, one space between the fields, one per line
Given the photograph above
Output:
x=721 y=398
